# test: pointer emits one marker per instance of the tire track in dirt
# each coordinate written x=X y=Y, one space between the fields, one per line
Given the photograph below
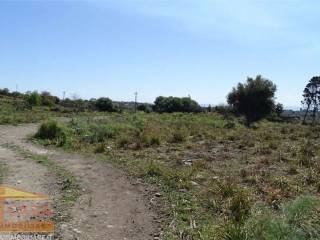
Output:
x=110 y=207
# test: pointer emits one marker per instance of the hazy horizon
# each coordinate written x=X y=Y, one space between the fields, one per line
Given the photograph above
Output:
x=171 y=48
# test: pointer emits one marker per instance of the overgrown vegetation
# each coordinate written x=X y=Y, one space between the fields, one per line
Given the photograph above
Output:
x=220 y=179
x=52 y=132
x=253 y=99
x=16 y=111
x=175 y=104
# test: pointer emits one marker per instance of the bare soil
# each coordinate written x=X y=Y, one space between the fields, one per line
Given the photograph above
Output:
x=110 y=207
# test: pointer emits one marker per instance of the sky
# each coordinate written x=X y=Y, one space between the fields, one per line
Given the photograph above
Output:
x=200 y=48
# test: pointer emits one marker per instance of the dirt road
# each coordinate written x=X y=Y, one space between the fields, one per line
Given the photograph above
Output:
x=110 y=206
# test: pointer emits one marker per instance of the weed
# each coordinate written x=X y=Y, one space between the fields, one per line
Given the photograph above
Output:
x=240 y=206
x=123 y=141
x=100 y=148
x=178 y=136
x=51 y=130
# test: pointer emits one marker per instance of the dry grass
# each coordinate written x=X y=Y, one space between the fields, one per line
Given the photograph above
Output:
x=213 y=171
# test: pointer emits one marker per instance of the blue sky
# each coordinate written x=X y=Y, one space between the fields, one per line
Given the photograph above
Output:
x=158 y=47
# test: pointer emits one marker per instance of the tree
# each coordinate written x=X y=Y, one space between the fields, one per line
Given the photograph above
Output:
x=278 y=109
x=253 y=99
x=33 y=98
x=144 y=108
x=175 y=104
x=104 y=105
x=311 y=98
x=48 y=100
x=5 y=92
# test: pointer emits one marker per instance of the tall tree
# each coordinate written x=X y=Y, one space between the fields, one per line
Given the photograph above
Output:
x=253 y=99
x=311 y=98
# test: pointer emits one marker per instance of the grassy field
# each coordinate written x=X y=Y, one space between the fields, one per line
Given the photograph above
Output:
x=219 y=179
x=14 y=111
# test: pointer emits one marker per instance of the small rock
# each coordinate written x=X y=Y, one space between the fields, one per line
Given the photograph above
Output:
x=194 y=183
x=158 y=194
x=76 y=231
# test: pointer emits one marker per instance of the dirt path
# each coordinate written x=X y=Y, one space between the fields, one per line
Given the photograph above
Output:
x=110 y=207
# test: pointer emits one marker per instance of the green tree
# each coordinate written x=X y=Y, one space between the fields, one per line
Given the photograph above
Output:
x=311 y=97
x=278 y=109
x=5 y=92
x=48 y=100
x=33 y=98
x=175 y=104
x=253 y=99
x=104 y=105
x=144 y=107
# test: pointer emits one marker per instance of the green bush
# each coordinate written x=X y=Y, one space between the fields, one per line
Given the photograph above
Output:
x=51 y=130
x=33 y=98
x=102 y=133
x=240 y=206
x=178 y=136
x=104 y=105
x=123 y=141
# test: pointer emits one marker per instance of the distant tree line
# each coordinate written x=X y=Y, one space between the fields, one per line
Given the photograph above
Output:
x=254 y=99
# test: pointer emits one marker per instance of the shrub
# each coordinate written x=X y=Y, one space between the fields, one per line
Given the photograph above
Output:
x=178 y=136
x=102 y=133
x=226 y=188
x=33 y=98
x=123 y=141
x=240 y=206
x=224 y=110
x=100 y=148
x=51 y=130
x=150 y=137
x=48 y=130
x=144 y=108
x=229 y=125
x=154 y=140
x=48 y=100
x=307 y=153
x=153 y=169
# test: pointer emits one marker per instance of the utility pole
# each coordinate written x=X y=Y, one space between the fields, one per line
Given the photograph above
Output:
x=135 y=101
x=63 y=95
